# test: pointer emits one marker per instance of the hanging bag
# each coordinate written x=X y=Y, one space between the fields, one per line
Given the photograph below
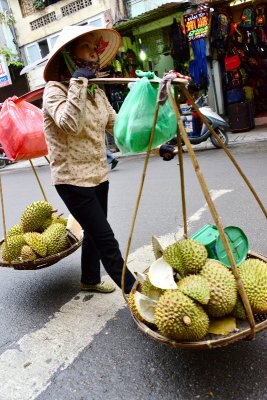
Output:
x=21 y=130
x=231 y=62
x=134 y=121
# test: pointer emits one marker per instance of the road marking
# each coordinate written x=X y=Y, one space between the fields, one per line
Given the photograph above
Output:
x=26 y=369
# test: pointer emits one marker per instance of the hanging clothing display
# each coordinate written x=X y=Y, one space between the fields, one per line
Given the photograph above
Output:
x=198 y=66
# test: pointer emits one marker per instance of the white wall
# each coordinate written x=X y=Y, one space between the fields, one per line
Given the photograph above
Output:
x=141 y=6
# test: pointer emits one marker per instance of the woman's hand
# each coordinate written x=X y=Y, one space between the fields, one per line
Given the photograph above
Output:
x=83 y=73
x=167 y=152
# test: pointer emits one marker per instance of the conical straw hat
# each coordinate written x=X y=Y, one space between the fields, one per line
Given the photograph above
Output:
x=110 y=40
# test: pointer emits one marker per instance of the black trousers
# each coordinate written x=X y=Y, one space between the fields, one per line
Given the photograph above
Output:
x=88 y=205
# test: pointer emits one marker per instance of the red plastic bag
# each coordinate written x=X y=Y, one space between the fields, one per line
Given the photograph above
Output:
x=21 y=130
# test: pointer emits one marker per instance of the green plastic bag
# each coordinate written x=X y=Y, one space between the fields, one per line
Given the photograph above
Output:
x=135 y=119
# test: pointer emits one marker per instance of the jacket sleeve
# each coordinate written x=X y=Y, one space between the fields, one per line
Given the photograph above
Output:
x=67 y=108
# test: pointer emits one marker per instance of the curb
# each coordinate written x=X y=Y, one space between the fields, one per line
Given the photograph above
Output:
x=206 y=145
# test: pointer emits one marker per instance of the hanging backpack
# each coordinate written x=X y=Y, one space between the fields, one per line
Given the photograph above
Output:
x=178 y=43
x=220 y=28
x=260 y=10
x=248 y=17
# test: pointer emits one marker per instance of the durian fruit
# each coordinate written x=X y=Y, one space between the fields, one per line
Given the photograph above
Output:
x=55 y=237
x=142 y=307
x=239 y=310
x=36 y=242
x=223 y=291
x=194 y=255
x=160 y=274
x=178 y=317
x=35 y=215
x=27 y=253
x=12 y=250
x=150 y=290
x=195 y=286
x=253 y=273
x=59 y=220
x=45 y=225
x=172 y=255
x=15 y=230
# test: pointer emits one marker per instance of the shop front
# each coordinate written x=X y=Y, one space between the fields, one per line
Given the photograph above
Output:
x=223 y=47
x=238 y=43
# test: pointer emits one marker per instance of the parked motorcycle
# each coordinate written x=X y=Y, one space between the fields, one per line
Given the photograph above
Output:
x=197 y=131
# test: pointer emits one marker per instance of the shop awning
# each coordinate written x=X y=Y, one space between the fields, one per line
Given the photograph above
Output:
x=160 y=12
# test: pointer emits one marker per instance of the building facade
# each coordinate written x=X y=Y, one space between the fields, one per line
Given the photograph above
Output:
x=38 y=23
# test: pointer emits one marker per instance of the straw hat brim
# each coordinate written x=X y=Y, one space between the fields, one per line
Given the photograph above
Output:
x=111 y=38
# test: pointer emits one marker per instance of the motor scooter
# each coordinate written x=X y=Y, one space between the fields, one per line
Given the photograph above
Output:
x=197 y=131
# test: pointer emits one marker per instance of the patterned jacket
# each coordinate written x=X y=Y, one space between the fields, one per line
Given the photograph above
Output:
x=74 y=126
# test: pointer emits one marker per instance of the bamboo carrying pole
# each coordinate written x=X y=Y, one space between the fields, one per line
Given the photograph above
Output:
x=213 y=210
x=38 y=180
x=181 y=169
x=138 y=200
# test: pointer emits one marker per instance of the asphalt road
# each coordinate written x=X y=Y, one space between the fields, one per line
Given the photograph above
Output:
x=57 y=343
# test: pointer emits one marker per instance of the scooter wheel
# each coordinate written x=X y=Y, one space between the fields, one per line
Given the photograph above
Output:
x=222 y=135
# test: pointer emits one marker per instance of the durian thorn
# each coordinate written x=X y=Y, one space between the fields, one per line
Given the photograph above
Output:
x=187 y=320
x=54 y=211
x=59 y=215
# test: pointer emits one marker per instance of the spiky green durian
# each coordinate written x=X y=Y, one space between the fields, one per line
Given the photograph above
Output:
x=172 y=255
x=45 y=225
x=15 y=230
x=178 y=317
x=223 y=291
x=12 y=250
x=239 y=310
x=27 y=254
x=58 y=220
x=195 y=286
x=253 y=273
x=193 y=254
x=36 y=242
x=35 y=215
x=150 y=290
x=56 y=239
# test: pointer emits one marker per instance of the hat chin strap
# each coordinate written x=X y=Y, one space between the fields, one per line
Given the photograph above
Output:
x=74 y=62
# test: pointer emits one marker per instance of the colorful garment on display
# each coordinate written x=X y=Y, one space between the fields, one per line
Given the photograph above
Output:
x=198 y=67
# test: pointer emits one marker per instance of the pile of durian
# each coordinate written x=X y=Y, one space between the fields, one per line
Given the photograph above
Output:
x=184 y=292
x=39 y=233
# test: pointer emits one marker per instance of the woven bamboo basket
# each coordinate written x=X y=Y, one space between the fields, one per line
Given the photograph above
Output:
x=43 y=262
x=255 y=323
x=73 y=232
x=210 y=341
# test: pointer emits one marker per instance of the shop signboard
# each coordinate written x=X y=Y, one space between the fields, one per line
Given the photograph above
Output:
x=197 y=25
x=5 y=79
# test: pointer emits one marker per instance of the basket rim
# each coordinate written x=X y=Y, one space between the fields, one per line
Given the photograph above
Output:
x=43 y=262
x=217 y=341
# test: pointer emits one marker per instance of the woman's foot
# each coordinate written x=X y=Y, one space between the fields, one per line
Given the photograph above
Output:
x=102 y=287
